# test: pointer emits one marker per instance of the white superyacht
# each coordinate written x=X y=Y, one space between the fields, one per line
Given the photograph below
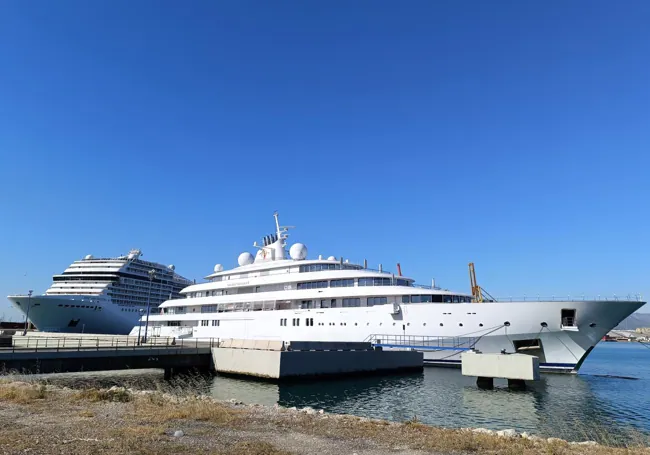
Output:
x=101 y=295
x=275 y=296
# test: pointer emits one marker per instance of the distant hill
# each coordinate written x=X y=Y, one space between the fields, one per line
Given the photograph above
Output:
x=634 y=321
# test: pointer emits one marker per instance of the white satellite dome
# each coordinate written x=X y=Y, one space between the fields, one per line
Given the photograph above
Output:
x=331 y=258
x=88 y=257
x=218 y=268
x=298 y=252
x=245 y=259
x=171 y=267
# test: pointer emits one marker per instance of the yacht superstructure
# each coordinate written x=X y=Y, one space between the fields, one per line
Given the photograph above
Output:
x=102 y=295
x=274 y=296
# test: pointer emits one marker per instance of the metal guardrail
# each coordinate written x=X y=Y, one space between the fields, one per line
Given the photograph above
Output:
x=67 y=344
x=569 y=298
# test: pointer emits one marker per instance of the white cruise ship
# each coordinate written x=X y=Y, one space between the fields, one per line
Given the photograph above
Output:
x=290 y=298
x=102 y=295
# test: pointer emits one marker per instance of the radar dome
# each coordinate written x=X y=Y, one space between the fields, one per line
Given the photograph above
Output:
x=171 y=267
x=298 y=252
x=88 y=257
x=218 y=268
x=331 y=258
x=245 y=259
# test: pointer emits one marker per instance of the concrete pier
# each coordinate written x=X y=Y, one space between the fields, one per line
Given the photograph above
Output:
x=516 y=368
x=276 y=360
x=73 y=354
x=258 y=358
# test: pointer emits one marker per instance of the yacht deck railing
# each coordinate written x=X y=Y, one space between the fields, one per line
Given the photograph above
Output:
x=571 y=298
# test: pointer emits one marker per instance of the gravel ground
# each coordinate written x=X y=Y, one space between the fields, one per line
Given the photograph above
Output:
x=39 y=419
x=64 y=423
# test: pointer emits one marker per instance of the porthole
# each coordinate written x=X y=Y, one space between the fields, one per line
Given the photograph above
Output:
x=441 y=324
x=460 y=325
x=424 y=324
x=481 y=324
x=408 y=323
x=393 y=323
x=544 y=324
x=507 y=324
x=592 y=325
x=355 y=323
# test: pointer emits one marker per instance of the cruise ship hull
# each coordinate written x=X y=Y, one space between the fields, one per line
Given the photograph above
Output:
x=442 y=331
x=76 y=314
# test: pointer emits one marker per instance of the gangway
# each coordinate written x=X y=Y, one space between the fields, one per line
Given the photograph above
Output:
x=421 y=342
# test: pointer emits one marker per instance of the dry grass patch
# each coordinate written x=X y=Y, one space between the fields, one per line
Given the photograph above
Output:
x=86 y=413
x=140 y=431
x=417 y=436
x=193 y=409
x=253 y=448
x=96 y=395
x=22 y=393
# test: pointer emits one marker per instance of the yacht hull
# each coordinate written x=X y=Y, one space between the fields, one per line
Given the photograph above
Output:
x=442 y=331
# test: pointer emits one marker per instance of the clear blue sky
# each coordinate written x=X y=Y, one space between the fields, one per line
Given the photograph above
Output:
x=431 y=133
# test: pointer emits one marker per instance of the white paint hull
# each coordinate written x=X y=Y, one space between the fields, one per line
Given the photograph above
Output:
x=53 y=313
x=489 y=327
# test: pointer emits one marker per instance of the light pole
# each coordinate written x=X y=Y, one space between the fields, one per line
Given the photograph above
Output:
x=140 y=325
x=29 y=304
x=152 y=275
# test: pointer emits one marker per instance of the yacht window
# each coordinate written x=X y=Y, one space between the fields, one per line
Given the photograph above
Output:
x=415 y=299
x=455 y=299
x=324 y=304
x=401 y=282
x=446 y=298
x=205 y=323
x=353 y=302
x=333 y=303
x=425 y=298
x=372 y=301
x=312 y=285
x=342 y=283
x=215 y=323
x=209 y=309
x=374 y=281
x=306 y=304
x=406 y=298
x=437 y=298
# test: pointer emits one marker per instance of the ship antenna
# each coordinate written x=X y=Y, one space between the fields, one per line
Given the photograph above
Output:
x=277 y=224
x=282 y=231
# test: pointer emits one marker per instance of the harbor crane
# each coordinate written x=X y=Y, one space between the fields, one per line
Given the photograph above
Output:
x=477 y=291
